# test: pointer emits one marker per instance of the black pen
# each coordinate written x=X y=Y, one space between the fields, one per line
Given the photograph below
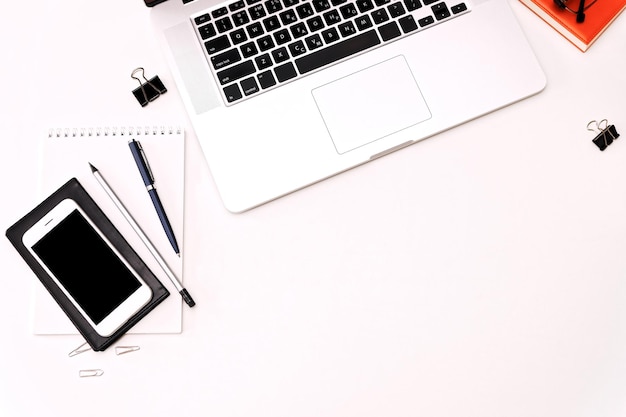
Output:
x=148 y=180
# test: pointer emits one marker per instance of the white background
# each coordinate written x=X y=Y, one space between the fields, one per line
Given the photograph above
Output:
x=478 y=273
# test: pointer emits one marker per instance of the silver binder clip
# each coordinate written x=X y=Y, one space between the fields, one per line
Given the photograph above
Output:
x=606 y=133
x=148 y=91
x=88 y=373
x=122 y=350
x=82 y=348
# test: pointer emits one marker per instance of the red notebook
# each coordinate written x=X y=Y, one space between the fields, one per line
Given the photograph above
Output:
x=597 y=18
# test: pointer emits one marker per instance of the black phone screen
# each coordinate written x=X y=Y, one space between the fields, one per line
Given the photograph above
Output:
x=86 y=266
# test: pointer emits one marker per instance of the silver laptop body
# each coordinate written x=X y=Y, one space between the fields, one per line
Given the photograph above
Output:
x=317 y=110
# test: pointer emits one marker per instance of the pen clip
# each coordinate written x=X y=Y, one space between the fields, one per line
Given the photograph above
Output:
x=142 y=154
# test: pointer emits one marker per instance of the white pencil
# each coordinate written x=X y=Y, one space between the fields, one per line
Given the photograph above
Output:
x=182 y=291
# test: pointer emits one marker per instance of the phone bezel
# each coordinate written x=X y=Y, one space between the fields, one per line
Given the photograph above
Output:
x=129 y=306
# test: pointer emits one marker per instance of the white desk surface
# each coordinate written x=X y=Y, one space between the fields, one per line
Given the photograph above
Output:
x=478 y=273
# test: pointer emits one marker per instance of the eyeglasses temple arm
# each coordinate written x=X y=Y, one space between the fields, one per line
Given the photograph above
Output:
x=580 y=15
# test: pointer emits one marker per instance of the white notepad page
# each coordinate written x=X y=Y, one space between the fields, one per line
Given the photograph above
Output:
x=67 y=152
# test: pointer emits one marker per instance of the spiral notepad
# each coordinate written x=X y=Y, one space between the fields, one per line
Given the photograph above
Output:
x=67 y=153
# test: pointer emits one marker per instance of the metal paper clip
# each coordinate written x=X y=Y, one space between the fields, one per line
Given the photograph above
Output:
x=87 y=373
x=148 y=91
x=607 y=133
x=122 y=350
x=79 y=350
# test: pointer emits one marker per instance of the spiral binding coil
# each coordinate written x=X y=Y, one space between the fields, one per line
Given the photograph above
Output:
x=113 y=131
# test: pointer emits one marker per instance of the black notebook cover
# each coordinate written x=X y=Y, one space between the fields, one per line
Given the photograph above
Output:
x=75 y=191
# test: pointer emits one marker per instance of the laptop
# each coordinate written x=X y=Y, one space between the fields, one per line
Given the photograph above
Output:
x=285 y=93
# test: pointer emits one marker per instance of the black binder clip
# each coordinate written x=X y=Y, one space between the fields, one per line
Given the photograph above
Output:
x=606 y=135
x=148 y=91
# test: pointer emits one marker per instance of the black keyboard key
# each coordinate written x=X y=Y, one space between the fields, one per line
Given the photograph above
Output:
x=285 y=72
x=200 y=20
x=225 y=58
x=331 y=17
x=428 y=20
x=297 y=48
x=379 y=3
x=321 y=5
x=273 y=6
x=235 y=72
x=218 y=44
x=280 y=54
x=365 y=5
x=461 y=7
x=288 y=17
x=249 y=49
x=232 y=93
x=249 y=86
x=257 y=12
x=428 y=2
x=348 y=11
x=315 y=24
x=347 y=29
x=389 y=31
x=407 y=23
x=263 y=61
x=299 y=30
x=266 y=79
x=379 y=16
x=236 y=5
x=265 y=43
x=282 y=37
x=271 y=23
x=440 y=11
x=255 y=30
x=330 y=35
x=337 y=51
x=337 y=2
x=304 y=10
x=396 y=9
x=412 y=5
x=224 y=24
x=314 y=42
x=240 y=18
x=219 y=12
x=238 y=36
x=289 y=3
x=363 y=22
x=207 y=31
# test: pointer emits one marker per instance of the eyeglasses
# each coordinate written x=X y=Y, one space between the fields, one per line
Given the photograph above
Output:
x=580 y=13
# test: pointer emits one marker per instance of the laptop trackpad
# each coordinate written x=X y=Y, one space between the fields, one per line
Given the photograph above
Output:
x=371 y=104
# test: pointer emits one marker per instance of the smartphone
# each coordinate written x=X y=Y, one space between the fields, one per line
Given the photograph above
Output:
x=96 y=278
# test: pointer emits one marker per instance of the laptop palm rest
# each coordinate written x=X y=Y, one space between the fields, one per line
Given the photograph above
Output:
x=371 y=104
x=192 y=66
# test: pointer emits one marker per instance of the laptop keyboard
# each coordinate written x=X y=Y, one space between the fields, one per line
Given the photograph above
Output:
x=254 y=46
